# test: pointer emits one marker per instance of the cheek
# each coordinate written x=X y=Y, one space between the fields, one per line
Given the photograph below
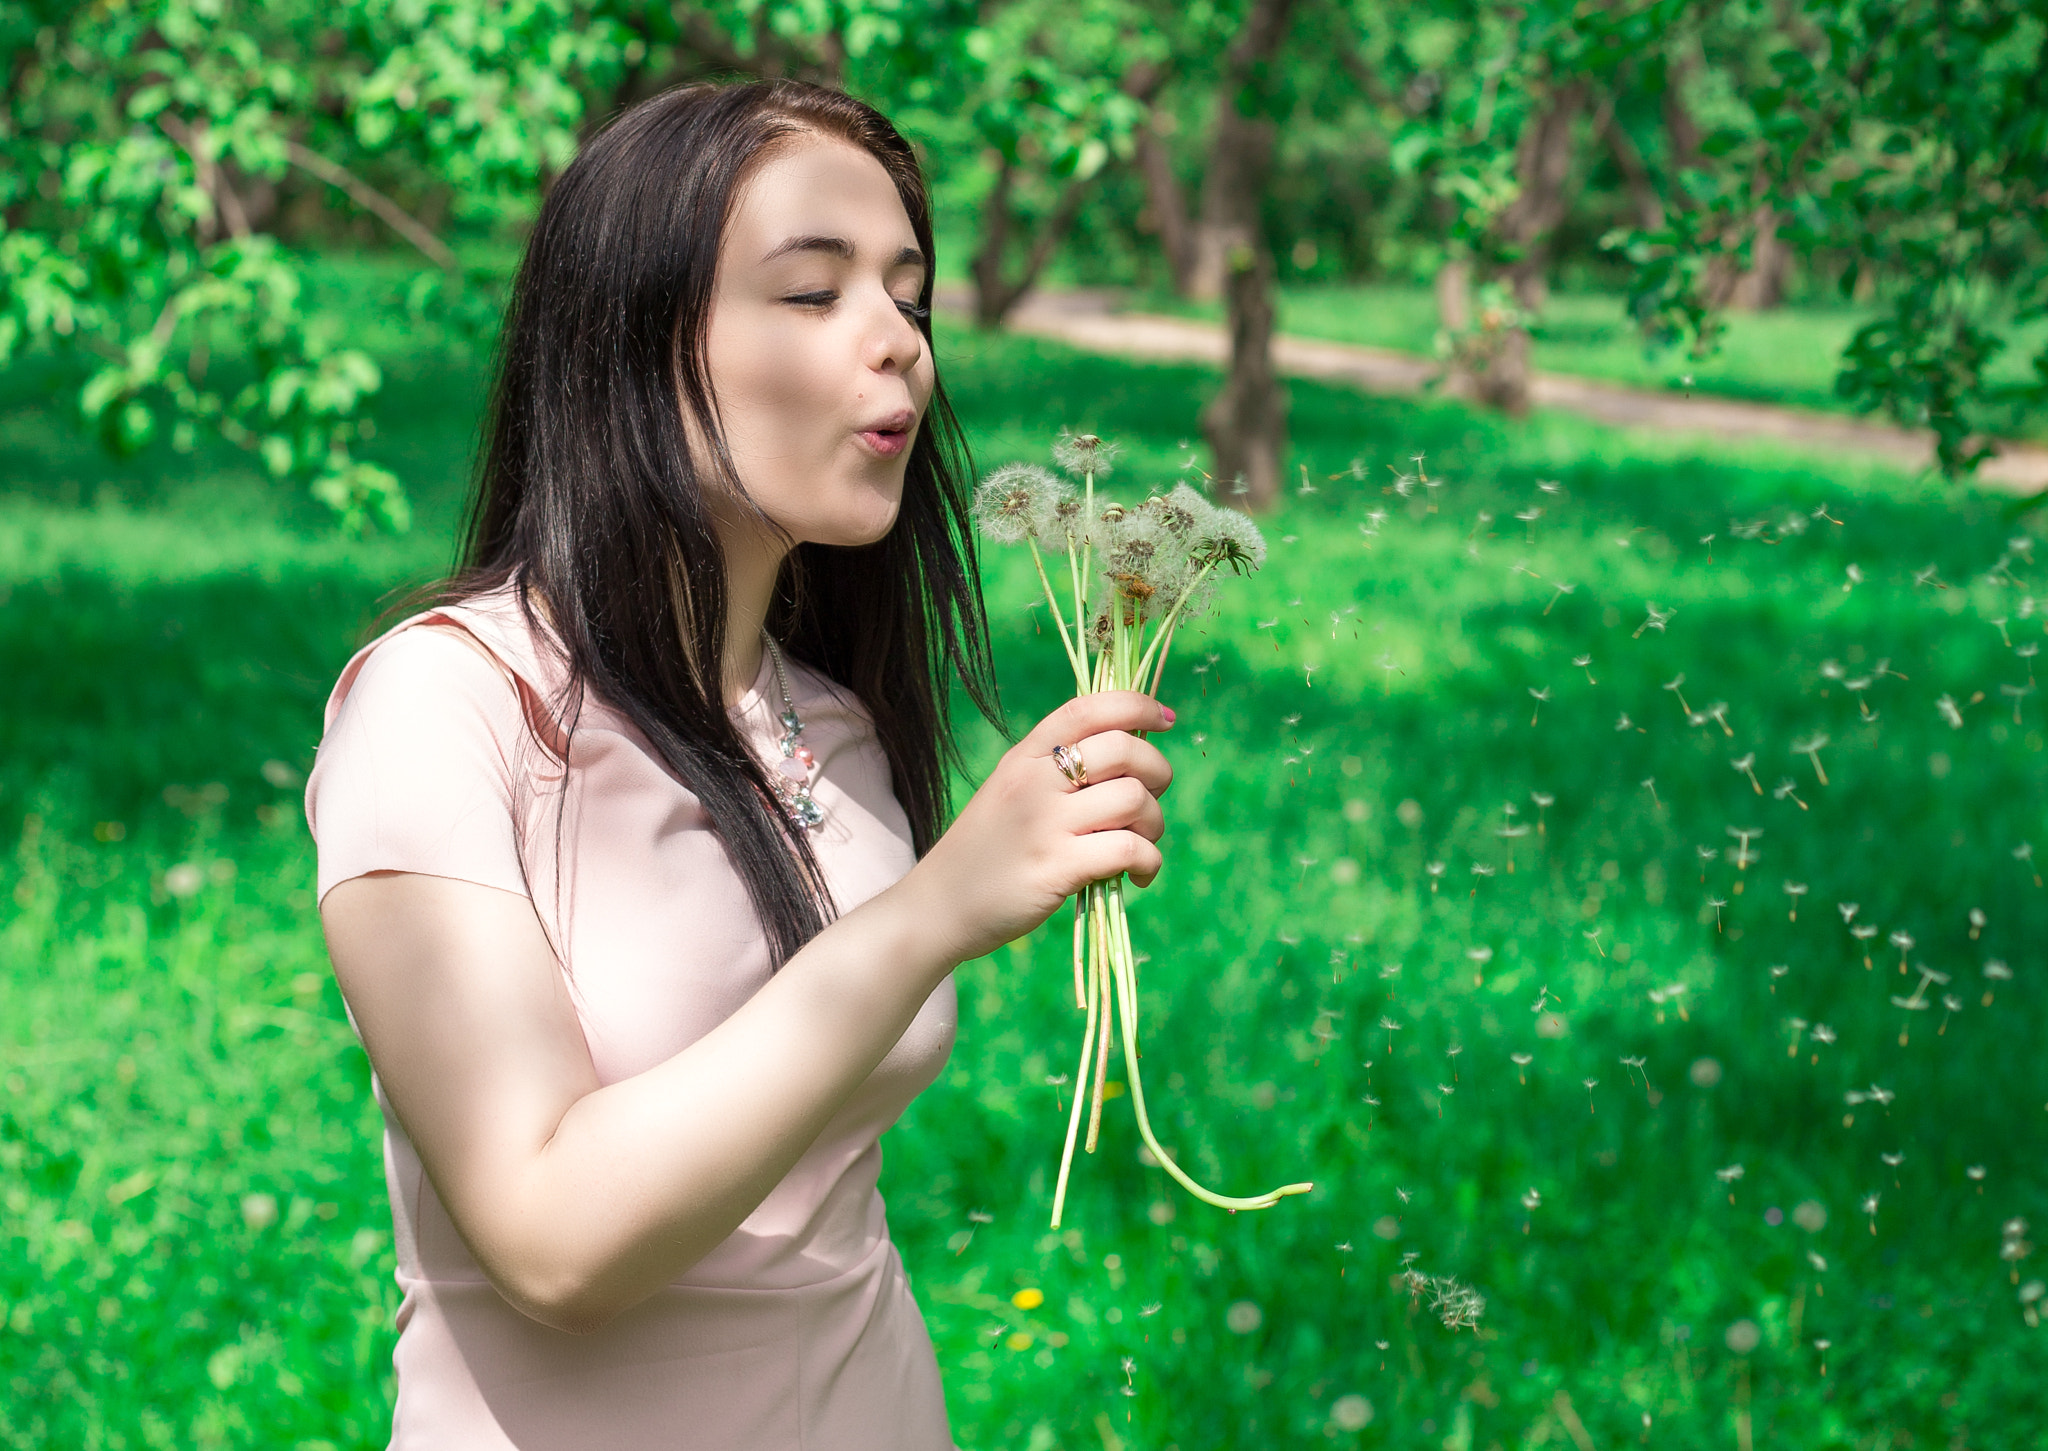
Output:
x=775 y=392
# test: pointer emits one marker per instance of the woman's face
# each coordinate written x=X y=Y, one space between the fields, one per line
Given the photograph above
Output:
x=819 y=372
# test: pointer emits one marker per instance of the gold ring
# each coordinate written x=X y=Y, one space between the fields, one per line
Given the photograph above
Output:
x=1068 y=759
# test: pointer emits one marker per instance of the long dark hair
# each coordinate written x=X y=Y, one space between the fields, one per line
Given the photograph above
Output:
x=588 y=491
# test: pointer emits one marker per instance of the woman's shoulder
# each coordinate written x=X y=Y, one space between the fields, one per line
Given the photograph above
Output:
x=481 y=649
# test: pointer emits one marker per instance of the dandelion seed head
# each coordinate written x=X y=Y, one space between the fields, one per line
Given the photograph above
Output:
x=1084 y=453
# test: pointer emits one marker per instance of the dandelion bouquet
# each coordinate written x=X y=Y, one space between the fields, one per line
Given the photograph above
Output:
x=1132 y=575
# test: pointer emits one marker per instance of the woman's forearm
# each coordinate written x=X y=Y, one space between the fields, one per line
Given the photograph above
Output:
x=579 y=1200
x=643 y=1177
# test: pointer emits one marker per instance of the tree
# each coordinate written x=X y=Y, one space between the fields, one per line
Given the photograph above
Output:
x=1907 y=138
x=1246 y=422
x=143 y=147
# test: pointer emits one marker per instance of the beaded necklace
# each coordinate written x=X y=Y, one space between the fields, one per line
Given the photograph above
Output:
x=792 y=775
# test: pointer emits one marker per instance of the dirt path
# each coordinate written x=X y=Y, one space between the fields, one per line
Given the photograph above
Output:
x=1087 y=320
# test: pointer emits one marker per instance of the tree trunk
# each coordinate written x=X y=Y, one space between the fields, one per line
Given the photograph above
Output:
x=1762 y=285
x=1167 y=203
x=1543 y=162
x=1635 y=173
x=1454 y=295
x=987 y=267
x=994 y=294
x=1246 y=422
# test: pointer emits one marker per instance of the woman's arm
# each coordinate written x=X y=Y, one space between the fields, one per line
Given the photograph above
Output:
x=578 y=1200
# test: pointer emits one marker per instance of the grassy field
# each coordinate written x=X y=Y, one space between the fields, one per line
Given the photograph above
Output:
x=195 y=1247
x=1789 y=355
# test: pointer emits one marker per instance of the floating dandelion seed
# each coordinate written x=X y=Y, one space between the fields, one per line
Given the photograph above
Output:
x=1743 y=836
x=1869 y=1207
x=1788 y=788
x=1949 y=711
x=1924 y=577
x=1746 y=765
x=2024 y=854
x=1855 y=578
x=1729 y=1176
x=1706 y=854
x=1904 y=942
x=1562 y=589
x=1778 y=970
x=1594 y=938
x=1795 y=890
x=1585 y=663
x=1995 y=971
x=1522 y=1062
x=1656 y=620
x=2016 y=693
x=1539 y=696
x=1391 y=1028
x=1673 y=685
x=1976 y=1175
x=1717 y=903
x=1863 y=932
x=1544 y=801
x=1624 y=723
x=1811 y=747
x=1822 y=1034
x=1479 y=957
x=1708 y=540
x=1591 y=1084
x=1977 y=921
x=1848 y=911
x=1435 y=870
x=1718 y=714
x=1650 y=785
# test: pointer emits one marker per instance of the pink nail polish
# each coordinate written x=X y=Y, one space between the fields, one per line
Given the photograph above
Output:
x=1167 y=710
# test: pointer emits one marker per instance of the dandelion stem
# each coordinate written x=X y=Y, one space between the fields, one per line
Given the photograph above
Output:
x=1059 y=1193
x=1124 y=968
x=1098 y=952
x=1066 y=641
x=1168 y=625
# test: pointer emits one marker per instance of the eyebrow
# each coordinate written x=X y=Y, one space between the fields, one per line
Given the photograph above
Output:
x=841 y=248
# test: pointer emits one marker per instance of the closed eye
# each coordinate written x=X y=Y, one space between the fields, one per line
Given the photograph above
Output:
x=824 y=299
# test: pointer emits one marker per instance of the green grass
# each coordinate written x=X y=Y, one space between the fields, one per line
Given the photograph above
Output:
x=1789 y=355
x=194 y=1248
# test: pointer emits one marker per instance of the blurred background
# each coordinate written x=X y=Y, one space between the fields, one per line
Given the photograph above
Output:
x=1602 y=852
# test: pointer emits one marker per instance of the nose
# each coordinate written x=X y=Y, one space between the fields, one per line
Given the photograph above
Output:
x=894 y=345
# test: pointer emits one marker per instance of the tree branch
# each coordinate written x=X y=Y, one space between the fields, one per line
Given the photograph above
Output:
x=371 y=200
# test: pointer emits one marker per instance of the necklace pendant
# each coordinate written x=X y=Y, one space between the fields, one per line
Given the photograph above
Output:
x=792 y=778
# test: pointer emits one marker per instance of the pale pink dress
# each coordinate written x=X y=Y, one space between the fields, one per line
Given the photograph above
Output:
x=799 y=1330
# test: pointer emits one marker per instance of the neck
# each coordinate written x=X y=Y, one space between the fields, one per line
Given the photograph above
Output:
x=752 y=565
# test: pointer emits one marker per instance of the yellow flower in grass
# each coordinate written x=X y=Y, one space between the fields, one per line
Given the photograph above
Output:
x=1028 y=1299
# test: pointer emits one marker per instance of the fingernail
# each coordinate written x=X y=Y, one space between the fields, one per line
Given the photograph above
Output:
x=1167 y=710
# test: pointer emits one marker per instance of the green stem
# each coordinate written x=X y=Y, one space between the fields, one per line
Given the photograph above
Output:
x=1059 y=619
x=1172 y=622
x=1103 y=966
x=1126 y=978
x=1059 y=1193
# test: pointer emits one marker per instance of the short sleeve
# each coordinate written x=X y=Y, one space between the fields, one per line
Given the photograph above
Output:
x=418 y=769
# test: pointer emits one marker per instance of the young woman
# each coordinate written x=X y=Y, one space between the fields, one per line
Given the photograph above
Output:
x=632 y=858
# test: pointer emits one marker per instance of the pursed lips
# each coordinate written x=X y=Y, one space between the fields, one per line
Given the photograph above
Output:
x=890 y=434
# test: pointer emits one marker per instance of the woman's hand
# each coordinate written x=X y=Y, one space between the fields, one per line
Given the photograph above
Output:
x=1029 y=838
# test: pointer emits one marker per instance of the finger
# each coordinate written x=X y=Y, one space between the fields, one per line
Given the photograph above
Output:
x=1123 y=804
x=1102 y=854
x=1119 y=753
x=1087 y=715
